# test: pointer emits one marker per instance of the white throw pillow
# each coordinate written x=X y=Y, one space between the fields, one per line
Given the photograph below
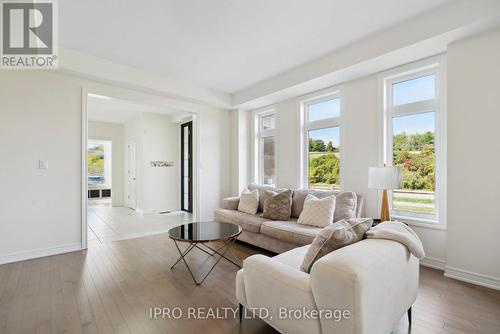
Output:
x=317 y=212
x=249 y=201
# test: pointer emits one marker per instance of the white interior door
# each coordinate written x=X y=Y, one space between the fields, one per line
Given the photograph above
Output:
x=132 y=175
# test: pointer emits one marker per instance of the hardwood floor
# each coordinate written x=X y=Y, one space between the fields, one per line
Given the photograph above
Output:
x=111 y=287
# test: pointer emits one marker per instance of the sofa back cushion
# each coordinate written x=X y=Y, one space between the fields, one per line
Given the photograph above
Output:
x=346 y=203
x=262 y=195
x=340 y=234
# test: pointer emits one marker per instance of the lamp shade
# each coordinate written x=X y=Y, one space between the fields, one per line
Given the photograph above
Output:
x=388 y=177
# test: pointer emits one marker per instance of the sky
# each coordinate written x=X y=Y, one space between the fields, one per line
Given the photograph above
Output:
x=409 y=91
x=412 y=124
x=324 y=110
x=414 y=90
x=327 y=134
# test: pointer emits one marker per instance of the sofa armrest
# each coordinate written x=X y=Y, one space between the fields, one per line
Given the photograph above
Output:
x=276 y=272
x=375 y=279
x=230 y=203
x=275 y=286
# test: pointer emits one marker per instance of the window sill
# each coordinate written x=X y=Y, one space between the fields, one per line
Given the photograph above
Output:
x=427 y=223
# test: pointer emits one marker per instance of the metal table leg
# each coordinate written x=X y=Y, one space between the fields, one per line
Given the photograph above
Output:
x=227 y=244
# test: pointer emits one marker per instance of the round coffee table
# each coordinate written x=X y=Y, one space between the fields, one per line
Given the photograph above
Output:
x=200 y=234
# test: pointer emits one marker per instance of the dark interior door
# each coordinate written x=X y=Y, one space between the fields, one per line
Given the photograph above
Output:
x=187 y=167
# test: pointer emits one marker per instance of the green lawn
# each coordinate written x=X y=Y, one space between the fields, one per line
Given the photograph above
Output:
x=414 y=200
x=417 y=209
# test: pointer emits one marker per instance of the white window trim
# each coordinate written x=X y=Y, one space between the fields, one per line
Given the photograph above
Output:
x=434 y=65
x=320 y=96
x=258 y=135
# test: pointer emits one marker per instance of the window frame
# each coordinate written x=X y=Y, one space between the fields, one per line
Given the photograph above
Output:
x=258 y=144
x=306 y=126
x=436 y=66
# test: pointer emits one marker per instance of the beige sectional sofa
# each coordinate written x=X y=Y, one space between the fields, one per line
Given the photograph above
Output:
x=281 y=236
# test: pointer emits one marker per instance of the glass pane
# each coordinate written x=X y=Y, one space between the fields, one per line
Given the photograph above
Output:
x=323 y=110
x=186 y=185
x=414 y=90
x=324 y=158
x=95 y=164
x=414 y=150
x=267 y=122
x=267 y=163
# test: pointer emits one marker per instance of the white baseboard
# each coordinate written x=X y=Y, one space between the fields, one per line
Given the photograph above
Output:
x=433 y=263
x=33 y=254
x=474 y=278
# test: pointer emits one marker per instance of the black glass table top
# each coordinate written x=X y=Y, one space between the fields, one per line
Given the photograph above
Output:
x=204 y=231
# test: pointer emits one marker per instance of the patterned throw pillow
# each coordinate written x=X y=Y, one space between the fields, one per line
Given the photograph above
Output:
x=249 y=201
x=317 y=212
x=340 y=234
x=278 y=206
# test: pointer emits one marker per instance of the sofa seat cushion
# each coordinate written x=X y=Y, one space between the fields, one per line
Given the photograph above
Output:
x=293 y=257
x=248 y=222
x=290 y=231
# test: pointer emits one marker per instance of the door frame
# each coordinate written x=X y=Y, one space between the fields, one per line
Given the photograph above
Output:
x=129 y=162
x=141 y=98
x=189 y=126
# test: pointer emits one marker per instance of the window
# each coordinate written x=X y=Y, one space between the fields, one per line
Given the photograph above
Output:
x=99 y=163
x=412 y=137
x=95 y=163
x=322 y=143
x=413 y=149
x=266 y=148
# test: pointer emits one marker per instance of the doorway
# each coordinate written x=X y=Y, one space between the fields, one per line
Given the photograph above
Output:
x=135 y=145
x=187 y=167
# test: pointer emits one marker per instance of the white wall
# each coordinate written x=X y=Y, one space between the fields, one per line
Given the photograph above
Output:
x=41 y=118
x=161 y=185
x=474 y=158
x=240 y=150
x=114 y=133
x=214 y=155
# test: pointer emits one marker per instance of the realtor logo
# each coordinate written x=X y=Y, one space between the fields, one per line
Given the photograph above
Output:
x=28 y=34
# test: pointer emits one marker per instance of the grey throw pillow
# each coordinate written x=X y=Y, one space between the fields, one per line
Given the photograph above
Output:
x=277 y=206
x=345 y=205
x=262 y=190
x=340 y=234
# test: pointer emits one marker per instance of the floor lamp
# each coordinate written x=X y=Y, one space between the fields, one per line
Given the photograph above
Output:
x=384 y=178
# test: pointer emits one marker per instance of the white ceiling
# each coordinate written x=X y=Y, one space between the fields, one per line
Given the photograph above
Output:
x=224 y=44
x=112 y=110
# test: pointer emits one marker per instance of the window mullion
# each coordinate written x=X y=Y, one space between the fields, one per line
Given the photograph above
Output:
x=413 y=108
